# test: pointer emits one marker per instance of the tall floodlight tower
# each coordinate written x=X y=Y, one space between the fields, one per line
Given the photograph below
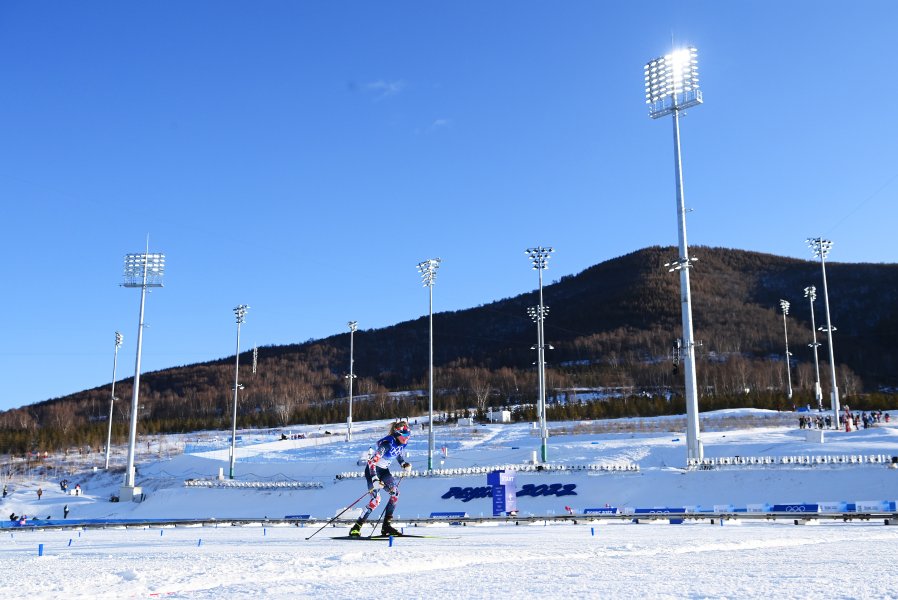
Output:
x=118 y=344
x=784 y=304
x=142 y=271
x=240 y=314
x=538 y=315
x=820 y=247
x=671 y=86
x=539 y=257
x=810 y=293
x=353 y=326
x=428 y=271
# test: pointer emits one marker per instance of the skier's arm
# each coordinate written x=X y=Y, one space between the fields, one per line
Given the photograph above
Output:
x=403 y=461
x=378 y=454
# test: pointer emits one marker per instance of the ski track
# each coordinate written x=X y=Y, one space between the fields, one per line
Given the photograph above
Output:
x=663 y=561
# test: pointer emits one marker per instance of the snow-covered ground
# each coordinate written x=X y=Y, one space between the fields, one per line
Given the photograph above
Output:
x=598 y=559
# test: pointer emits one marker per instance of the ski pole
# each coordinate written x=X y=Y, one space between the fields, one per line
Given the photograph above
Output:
x=376 y=523
x=337 y=516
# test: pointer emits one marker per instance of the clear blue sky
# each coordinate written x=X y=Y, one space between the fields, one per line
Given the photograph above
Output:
x=303 y=157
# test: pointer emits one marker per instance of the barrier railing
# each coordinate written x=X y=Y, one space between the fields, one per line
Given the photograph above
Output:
x=260 y=485
x=520 y=468
x=802 y=460
x=811 y=509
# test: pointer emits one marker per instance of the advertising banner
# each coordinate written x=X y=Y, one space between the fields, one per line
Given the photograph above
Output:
x=505 y=498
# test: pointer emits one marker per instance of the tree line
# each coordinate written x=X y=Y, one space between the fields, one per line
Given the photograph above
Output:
x=612 y=326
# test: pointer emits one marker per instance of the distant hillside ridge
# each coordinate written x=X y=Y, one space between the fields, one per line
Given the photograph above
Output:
x=611 y=325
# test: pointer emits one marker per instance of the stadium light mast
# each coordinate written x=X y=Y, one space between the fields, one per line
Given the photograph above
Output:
x=821 y=247
x=428 y=271
x=143 y=270
x=538 y=314
x=240 y=314
x=118 y=344
x=353 y=326
x=539 y=256
x=784 y=304
x=810 y=293
x=671 y=86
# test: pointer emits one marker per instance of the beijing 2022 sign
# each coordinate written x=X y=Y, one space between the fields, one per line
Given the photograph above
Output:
x=466 y=494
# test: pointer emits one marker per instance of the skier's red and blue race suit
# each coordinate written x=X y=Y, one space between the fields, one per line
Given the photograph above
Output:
x=378 y=467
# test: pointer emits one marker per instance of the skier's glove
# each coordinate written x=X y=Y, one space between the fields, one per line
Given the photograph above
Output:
x=376 y=483
x=407 y=467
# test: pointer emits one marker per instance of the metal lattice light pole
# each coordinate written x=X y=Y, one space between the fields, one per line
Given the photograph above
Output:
x=671 y=86
x=240 y=313
x=353 y=327
x=810 y=293
x=428 y=271
x=142 y=271
x=784 y=304
x=539 y=256
x=821 y=247
x=118 y=344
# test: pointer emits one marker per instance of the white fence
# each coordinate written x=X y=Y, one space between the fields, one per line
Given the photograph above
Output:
x=259 y=485
x=520 y=468
x=805 y=460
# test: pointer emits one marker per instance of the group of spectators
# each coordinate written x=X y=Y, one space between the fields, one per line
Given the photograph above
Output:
x=853 y=421
x=864 y=419
x=818 y=422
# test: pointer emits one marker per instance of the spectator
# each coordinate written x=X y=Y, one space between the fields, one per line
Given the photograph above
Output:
x=65 y=511
x=4 y=490
x=40 y=493
x=77 y=489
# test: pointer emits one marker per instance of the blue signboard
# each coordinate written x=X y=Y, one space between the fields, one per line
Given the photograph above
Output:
x=665 y=510
x=796 y=508
x=505 y=497
x=606 y=510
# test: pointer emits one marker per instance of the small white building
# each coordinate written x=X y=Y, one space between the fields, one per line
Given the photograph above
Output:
x=499 y=416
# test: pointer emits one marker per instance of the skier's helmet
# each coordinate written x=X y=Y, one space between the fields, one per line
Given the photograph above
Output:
x=401 y=430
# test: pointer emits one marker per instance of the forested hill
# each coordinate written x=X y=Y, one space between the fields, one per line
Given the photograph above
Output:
x=612 y=325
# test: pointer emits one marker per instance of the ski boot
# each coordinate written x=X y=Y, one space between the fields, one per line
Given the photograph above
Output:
x=356 y=530
x=388 y=529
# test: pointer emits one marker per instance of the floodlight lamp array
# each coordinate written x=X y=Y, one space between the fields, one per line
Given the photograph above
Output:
x=119 y=338
x=240 y=313
x=539 y=256
x=144 y=263
x=784 y=304
x=428 y=270
x=819 y=246
x=671 y=82
x=537 y=315
x=810 y=292
x=353 y=326
x=680 y=264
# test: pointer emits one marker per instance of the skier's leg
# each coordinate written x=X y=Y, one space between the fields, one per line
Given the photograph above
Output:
x=391 y=486
x=372 y=504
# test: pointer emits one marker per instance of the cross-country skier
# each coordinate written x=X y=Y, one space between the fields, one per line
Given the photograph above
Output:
x=377 y=474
